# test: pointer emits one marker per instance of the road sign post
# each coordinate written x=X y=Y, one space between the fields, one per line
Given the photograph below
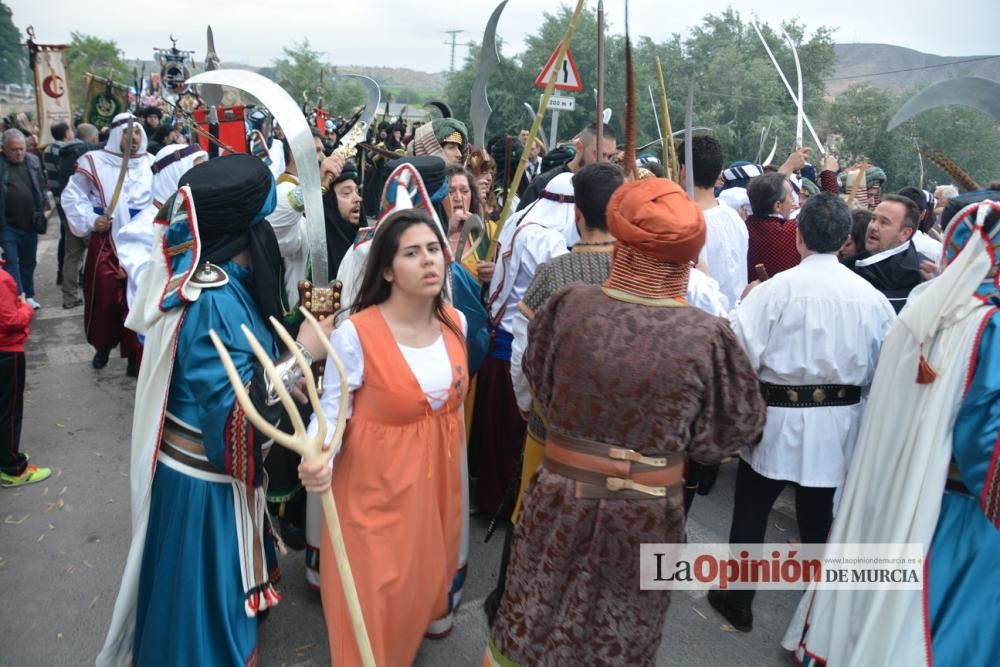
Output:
x=558 y=103
x=567 y=79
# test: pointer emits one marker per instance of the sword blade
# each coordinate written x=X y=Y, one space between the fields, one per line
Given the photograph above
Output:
x=800 y=102
x=122 y=171
x=479 y=105
x=970 y=91
x=374 y=96
x=299 y=137
x=788 y=87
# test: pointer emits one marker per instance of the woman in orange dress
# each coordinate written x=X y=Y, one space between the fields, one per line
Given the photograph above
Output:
x=397 y=477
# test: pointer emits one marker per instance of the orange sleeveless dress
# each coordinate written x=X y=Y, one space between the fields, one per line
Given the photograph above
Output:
x=398 y=487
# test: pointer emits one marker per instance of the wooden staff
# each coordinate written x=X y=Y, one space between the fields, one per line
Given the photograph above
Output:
x=600 y=80
x=310 y=448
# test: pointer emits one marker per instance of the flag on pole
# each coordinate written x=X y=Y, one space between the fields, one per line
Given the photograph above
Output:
x=105 y=100
x=51 y=89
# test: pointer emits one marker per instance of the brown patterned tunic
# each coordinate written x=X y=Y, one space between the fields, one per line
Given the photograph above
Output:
x=655 y=379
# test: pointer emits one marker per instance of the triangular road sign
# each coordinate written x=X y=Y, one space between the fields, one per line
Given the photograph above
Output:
x=568 y=78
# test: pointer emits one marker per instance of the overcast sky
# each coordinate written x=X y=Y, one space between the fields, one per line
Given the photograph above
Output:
x=394 y=33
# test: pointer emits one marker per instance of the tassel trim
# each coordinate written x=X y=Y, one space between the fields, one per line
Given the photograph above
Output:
x=261 y=598
x=925 y=372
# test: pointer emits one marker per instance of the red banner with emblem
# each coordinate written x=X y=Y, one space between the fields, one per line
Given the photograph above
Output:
x=231 y=133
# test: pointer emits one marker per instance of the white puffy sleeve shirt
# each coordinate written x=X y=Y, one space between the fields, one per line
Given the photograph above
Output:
x=430 y=366
x=817 y=323
x=727 y=242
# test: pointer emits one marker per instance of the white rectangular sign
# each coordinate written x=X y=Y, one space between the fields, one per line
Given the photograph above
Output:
x=557 y=103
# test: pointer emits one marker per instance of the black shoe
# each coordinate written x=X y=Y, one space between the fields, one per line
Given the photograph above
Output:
x=132 y=370
x=707 y=480
x=491 y=605
x=100 y=359
x=293 y=536
x=740 y=618
x=72 y=304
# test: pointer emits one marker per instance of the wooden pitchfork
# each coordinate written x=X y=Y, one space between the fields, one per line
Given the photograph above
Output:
x=311 y=449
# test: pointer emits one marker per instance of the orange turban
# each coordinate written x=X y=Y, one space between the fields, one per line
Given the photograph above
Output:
x=656 y=218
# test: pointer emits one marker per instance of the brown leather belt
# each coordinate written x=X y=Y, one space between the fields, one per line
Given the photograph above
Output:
x=601 y=470
x=184 y=445
x=809 y=395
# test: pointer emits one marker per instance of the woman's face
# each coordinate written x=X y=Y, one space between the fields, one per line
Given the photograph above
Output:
x=418 y=267
x=459 y=195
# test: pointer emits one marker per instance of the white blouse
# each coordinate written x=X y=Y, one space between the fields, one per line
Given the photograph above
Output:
x=430 y=366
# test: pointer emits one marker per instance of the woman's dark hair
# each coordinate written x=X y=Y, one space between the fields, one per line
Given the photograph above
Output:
x=860 y=217
x=477 y=202
x=375 y=289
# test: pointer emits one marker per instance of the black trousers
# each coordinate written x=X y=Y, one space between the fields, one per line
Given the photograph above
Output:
x=12 y=461
x=754 y=498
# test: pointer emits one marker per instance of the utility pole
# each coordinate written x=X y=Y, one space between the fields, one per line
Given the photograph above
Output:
x=454 y=42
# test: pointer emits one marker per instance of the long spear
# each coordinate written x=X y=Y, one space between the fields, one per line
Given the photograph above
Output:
x=666 y=131
x=600 y=80
x=542 y=107
x=630 y=110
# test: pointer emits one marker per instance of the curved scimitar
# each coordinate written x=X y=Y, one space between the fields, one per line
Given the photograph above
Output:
x=970 y=91
x=479 y=104
x=298 y=134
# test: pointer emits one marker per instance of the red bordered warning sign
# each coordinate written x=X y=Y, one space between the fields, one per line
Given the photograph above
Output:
x=568 y=78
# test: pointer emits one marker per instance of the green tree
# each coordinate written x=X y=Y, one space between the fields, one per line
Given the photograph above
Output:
x=101 y=57
x=307 y=77
x=861 y=115
x=13 y=56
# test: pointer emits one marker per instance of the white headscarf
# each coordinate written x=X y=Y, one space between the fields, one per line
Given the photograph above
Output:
x=555 y=210
x=114 y=143
x=169 y=167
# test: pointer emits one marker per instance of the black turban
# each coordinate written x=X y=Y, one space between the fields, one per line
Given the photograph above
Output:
x=232 y=195
x=433 y=171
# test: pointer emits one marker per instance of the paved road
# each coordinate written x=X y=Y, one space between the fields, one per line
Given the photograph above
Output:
x=63 y=542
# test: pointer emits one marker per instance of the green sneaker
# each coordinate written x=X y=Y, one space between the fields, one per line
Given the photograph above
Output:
x=31 y=474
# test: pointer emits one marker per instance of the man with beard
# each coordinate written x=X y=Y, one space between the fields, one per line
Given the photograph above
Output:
x=341 y=207
x=85 y=200
x=586 y=153
x=891 y=262
x=342 y=214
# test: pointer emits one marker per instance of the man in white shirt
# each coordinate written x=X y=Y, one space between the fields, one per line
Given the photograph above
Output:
x=726 y=236
x=813 y=334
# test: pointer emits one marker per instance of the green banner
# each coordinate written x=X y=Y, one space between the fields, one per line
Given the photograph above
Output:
x=104 y=103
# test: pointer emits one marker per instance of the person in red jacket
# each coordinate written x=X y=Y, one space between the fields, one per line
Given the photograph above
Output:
x=15 y=325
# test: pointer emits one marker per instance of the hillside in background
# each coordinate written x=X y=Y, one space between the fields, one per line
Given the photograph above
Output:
x=910 y=69
x=883 y=65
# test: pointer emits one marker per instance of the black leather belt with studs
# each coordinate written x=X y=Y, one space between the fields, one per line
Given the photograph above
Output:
x=809 y=395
